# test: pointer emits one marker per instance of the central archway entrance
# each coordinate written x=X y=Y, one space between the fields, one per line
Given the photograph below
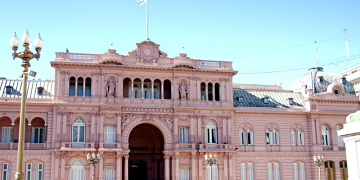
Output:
x=146 y=144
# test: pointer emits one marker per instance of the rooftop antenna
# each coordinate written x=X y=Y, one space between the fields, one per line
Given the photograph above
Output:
x=182 y=47
x=317 y=59
x=347 y=49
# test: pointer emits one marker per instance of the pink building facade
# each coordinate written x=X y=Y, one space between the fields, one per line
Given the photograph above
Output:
x=159 y=118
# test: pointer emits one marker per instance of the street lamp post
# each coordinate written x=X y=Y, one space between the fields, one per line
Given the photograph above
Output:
x=211 y=160
x=26 y=56
x=319 y=161
x=93 y=161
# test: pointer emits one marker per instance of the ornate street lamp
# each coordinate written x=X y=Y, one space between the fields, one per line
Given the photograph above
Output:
x=26 y=56
x=319 y=161
x=93 y=161
x=211 y=160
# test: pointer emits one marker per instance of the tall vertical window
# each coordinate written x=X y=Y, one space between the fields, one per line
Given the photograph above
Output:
x=5 y=171
x=302 y=171
x=217 y=92
x=37 y=135
x=78 y=130
x=301 y=137
x=343 y=170
x=268 y=137
x=184 y=174
x=243 y=171
x=212 y=172
x=72 y=86
x=249 y=137
x=88 y=87
x=183 y=135
x=210 y=132
x=277 y=171
x=203 y=91
x=29 y=167
x=296 y=171
x=210 y=92
x=340 y=140
x=269 y=171
x=109 y=134
x=39 y=171
x=80 y=85
x=77 y=170
x=250 y=171
x=6 y=134
x=293 y=137
x=109 y=174
x=276 y=137
x=242 y=137
x=325 y=136
x=329 y=170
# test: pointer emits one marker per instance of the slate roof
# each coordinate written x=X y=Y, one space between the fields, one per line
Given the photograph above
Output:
x=32 y=88
x=276 y=99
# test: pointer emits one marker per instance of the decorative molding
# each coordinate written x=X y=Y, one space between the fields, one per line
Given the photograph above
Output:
x=152 y=110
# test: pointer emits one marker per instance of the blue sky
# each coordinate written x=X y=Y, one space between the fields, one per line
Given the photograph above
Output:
x=257 y=36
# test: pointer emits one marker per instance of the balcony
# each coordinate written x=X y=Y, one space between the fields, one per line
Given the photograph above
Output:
x=185 y=147
x=109 y=146
x=28 y=146
x=328 y=148
x=213 y=147
x=78 y=146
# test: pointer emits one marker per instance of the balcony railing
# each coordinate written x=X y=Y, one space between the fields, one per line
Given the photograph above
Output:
x=77 y=145
x=219 y=147
x=4 y=146
x=185 y=146
x=28 y=146
x=110 y=145
x=328 y=148
x=342 y=148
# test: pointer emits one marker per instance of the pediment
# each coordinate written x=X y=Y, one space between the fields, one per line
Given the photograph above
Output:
x=112 y=62
x=183 y=66
x=147 y=49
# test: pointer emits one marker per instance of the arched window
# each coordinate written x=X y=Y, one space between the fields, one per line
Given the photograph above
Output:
x=167 y=89
x=137 y=88
x=72 y=86
x=210 y=92
x=249 y=137
x=296 y=171
x=242 y=137
x=329 y=170
x=277 y=171
x=293 y=137
x=80 y=86
x=210 y=132
x=243 y=171
x=217 y=92
x=78 y=130
x=203 y=91
x=302 y=171
x=340 y=140
x=88 y=87
x=250 y=171
x=268 y=137
x=77 y=170
x=269 y=171
x=276 y=137
x=343 y=170
x=211 y=171
x=300 y=137
x=325 y=136
x=127 y=88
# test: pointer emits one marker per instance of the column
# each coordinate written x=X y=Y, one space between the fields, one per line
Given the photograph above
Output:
x=45 y=134
x=142 y=90
x=313 y=128
x=52 y=168
x=101 y=125
x=200 y=166
x=57 y=166
x=58 y=120
x=175 y=129
x=118 y=166
x=224 y=129
x=101 y=166
x=199 y=129
x=62 y=166
x=193 y=167
x=152 y=90
x=64 y=126
x=226 y=175
x=198 y=89
x=118 y=128
x=220 y=88
x=102 y=85
x=162 y=90
x=167 y=169
x=213 y=92
x=231 y=168
x=84 y=80
x=173 y=173
x=29 y=135
x=229 y=129
x=132 y=88
x=92 y=91
x=155 y=168
x=76 y=83
x=206 y=91
x=177 y=166
x=66 y=83
x=93 y=127
x=318 y=131
x=191 y=131
x=172 y=90
x=126 y=168
x=12 y=132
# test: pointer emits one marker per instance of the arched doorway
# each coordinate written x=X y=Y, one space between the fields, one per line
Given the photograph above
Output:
x=146 y=144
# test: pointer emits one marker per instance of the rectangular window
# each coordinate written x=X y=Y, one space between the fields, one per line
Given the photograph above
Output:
x=37 y=135
x=29 y=168
x=184 y=174
x=82 y=134
x=78 y=134
x=6 y=135
x=5 y=171
x=39 y=171
x=109 y=174
x=109 y=134
x=250 y=138
x=276 y=138
x=268 y=138
x=301 y=138
x=242 y=137
x=183 y=135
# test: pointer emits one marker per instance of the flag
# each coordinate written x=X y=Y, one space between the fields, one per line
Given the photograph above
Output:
x=140 y=2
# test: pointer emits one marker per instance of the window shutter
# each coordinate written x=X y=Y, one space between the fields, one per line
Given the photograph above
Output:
x=214 y=135
x=181 y=135
x=207 y=136
x=251 y=138
x=302 y=171
x=241 y=132
x=250 y=171
x=295 y=169
x=269 y=169
x=186 y=135
x=277 y=172
x=75 y=134
x=6 y=135
x=243 y=171
x=293 y=138
x=302 y=138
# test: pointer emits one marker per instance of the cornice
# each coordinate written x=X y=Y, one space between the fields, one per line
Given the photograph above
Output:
x=149 y=68
x=344 y=114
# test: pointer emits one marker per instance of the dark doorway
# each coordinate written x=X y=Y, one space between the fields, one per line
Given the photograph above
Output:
x=146 y=144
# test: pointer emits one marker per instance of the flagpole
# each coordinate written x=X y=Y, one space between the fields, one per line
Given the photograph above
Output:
x=147 y=20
